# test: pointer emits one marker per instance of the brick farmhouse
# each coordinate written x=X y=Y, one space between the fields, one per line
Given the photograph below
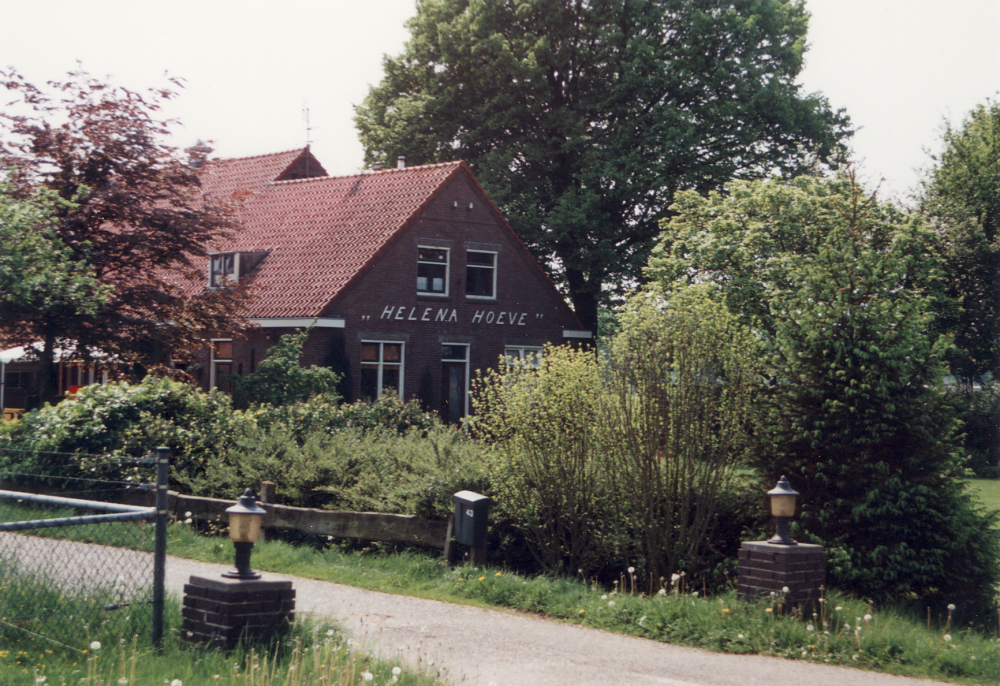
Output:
x=410 y=277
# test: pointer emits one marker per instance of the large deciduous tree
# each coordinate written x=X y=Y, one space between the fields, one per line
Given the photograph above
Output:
x=961 y=196
x=582 y=118
x=134 y=216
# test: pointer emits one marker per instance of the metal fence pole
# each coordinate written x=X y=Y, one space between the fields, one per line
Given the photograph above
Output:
x=160 y=545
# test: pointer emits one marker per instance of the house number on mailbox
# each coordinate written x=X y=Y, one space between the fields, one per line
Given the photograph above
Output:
x=469 y=513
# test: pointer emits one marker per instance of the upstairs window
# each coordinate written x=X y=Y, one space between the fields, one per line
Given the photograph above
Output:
x=480 y=274
x=523 y=354
x=432 y=271
x=227 y=268
x=223 y=270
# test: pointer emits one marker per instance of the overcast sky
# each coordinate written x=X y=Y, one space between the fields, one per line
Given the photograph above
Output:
x=899 y=67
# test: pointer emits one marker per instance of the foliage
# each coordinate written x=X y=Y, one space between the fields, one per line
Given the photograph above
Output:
x=583 y=119
x=279 y=378
x=413 y=473
x=550 y=475
x=678 y=381
x=748 y=241
x=980 y=415
x=855 y=416
x=624 y=456
x=134 y=214
x=107 y=422
x=37 y=272
x=961 y=195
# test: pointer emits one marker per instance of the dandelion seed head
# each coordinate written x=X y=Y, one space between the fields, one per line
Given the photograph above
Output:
x=631 y=570
x=176 y=682
x=838 y=608
x=784 y=589
x=604 y=597
x=810 y=627
x=856 y=658
x=95 y=646
x=740 y=636
x=951 y=607
x=947 y=637
x=611 y=603
x=662 y=591
x=868 y=618
x=367 y=676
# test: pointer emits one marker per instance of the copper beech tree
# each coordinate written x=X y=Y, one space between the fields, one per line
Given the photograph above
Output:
x=134 y=215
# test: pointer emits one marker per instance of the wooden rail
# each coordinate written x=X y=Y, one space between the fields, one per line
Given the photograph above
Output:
x=365 y=526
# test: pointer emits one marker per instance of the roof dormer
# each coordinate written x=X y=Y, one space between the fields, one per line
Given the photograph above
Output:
x=227 y=268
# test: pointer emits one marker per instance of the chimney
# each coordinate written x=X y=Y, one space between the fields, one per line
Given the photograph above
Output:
x=198 y=154
x=401 y=162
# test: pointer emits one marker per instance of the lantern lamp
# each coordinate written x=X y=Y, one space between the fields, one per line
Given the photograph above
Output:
x=245 y=519
x=782 y=509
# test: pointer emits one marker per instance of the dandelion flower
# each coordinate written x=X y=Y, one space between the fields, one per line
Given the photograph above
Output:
x=498 y=574
x=725 y=610
x=947 y=637
x=95 y=646
x=582 y=610
x=482 y=578
x=768 y=610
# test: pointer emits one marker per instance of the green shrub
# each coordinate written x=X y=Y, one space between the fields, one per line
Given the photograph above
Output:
x=123 y=420
x=415 y=472
x=280 y=380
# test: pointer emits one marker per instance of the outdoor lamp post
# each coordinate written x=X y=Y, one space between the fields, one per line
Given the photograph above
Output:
x=782 y=509
x=245 y=518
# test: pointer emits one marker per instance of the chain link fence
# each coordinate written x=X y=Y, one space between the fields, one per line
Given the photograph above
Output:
x=73 y=570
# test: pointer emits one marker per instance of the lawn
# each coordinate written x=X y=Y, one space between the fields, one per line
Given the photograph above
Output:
x=988 y=491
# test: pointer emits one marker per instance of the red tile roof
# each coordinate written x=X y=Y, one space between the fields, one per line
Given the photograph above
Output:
x=229 y=179
x=319 y=232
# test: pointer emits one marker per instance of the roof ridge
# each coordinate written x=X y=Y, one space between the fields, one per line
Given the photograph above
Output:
x=370 y=172
x=266 y=154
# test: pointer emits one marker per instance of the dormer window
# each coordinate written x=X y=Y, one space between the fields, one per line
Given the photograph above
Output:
x=227 y=268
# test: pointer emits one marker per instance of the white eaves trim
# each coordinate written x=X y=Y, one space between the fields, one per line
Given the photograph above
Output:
x=567 y=333
x=300 y=322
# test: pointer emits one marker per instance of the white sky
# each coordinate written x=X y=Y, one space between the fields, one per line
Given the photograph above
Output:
x=899 y=67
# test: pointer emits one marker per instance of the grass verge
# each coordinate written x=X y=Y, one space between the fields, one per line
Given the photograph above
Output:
x=843 y=631
x=988 y=492
x=312 y=653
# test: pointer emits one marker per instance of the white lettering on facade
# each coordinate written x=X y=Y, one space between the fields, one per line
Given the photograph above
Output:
x=447 y=315
x=427 y=315
x=489 y=317
x=520 y=322
x=411 y=317
x=500 y=319
x=387 y=312
x=401 y=313
x=441 y=315
x=478 y=317
x=454 y=316
x=512 y=318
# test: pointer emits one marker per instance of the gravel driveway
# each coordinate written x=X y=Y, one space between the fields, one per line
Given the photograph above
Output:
x=481 y=647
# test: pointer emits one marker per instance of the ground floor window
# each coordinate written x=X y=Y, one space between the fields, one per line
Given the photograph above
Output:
x=381 y=369
x=524 y=353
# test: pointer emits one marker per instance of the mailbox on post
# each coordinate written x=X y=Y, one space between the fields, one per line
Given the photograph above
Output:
x=471 y=512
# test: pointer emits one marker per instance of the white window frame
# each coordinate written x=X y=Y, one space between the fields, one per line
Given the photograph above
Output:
x=493 y=287
x=519 y=353
x=381 y=364
x=217 y=360
x=220 y=279
x=447 y=270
